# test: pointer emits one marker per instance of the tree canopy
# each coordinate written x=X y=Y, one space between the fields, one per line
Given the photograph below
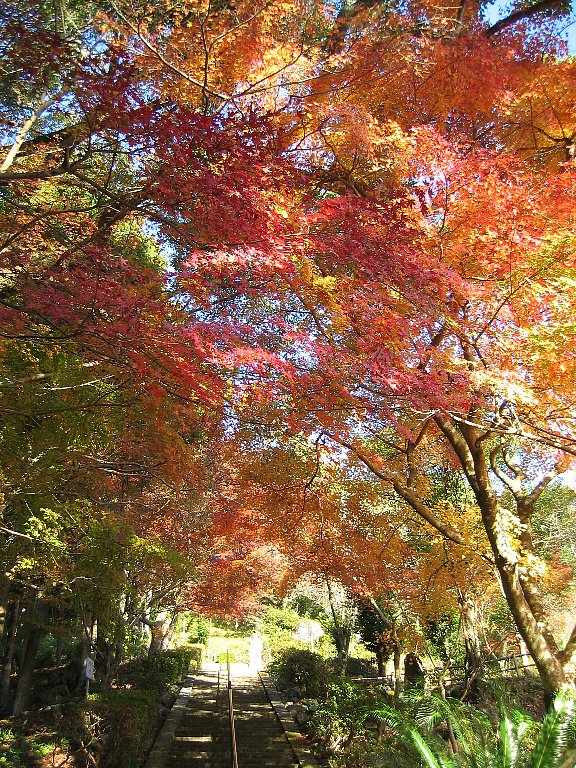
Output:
x=286 y=288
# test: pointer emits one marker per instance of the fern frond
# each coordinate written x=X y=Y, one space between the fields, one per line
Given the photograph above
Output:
x=430 y=759
x=553 y=736
x=508 y=742
x=475 y=736
x=429 y=711
x=388 y=715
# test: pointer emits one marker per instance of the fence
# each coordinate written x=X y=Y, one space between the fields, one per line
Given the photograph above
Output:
x=514 y=665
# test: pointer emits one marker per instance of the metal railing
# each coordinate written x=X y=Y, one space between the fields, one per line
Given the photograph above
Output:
x=233 y=750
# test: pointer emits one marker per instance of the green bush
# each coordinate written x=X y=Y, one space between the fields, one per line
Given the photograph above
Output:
x=135 y=645
x=278 y=621
x=197 y=651
x=302 y=668
x=128 y=720
x=47 y=655
x=198 y=630
x=278 y=627
x=158 y=672
x=340 y=718
x=306 y=606
x=275 y=646
x=183 y=657
x=443 y=636
x=18 y=752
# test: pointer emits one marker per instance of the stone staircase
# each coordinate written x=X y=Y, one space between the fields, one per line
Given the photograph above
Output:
x=202 y=736
x=260 y=738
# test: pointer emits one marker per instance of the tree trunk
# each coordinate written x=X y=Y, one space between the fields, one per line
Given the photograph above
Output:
x=105 y=656
x=525 y=659
x=508 y=530
x=342 y=630
x=59 y=645
x=118 y=653
x=156 y=636
x=4 y=605
x=542 y=647
x=397 y=670
x=10 y=643
x=414 y=676
x=156 y=627
x=169 y=633
x=26 y=672
x=522 y=598
x=472 y=646
x=381 y=660
x=85 y=651
x=510 y=537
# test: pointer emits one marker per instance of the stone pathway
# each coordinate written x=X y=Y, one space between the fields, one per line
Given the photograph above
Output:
x=199 y=741
x=260 y=738
x=202 y=735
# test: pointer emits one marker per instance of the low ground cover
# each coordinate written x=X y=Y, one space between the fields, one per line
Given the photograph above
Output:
x=110 y=728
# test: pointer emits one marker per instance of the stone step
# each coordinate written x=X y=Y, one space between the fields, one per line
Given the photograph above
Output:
x=202 y=737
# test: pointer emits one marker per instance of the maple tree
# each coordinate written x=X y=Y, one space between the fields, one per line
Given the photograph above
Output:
x=293 y=511
x=350 y=223
x=93 y=444
x=420 y=297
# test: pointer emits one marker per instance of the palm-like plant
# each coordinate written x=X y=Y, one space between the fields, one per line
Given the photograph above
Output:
x=478 y=742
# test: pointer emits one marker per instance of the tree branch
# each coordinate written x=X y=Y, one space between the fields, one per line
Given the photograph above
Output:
x=525 y=13
x=176 y=70
x=21 y=138
x=403 y=491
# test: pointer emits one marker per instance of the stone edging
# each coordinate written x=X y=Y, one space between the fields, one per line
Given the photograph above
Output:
x=302 y=754
x=159 y=752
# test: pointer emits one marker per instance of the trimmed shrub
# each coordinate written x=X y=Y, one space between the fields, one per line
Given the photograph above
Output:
x=127 y=720
x=157 y=672
x=196 y=654
x=302 y=668
x=183 y=658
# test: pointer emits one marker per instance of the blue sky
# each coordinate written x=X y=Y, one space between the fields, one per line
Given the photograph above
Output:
x=500 y=8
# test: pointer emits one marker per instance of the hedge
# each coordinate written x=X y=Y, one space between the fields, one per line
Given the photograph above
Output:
x=128 y=721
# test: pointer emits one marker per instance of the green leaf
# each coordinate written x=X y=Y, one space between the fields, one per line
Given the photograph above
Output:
x=430 y=759
x=552 y=739
x=507 y=741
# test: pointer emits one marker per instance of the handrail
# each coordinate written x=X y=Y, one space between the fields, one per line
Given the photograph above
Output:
x=233 y=750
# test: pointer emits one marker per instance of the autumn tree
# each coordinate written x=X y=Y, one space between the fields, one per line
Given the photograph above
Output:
x=368 y=212
x=91 y=345
x=420 y=294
